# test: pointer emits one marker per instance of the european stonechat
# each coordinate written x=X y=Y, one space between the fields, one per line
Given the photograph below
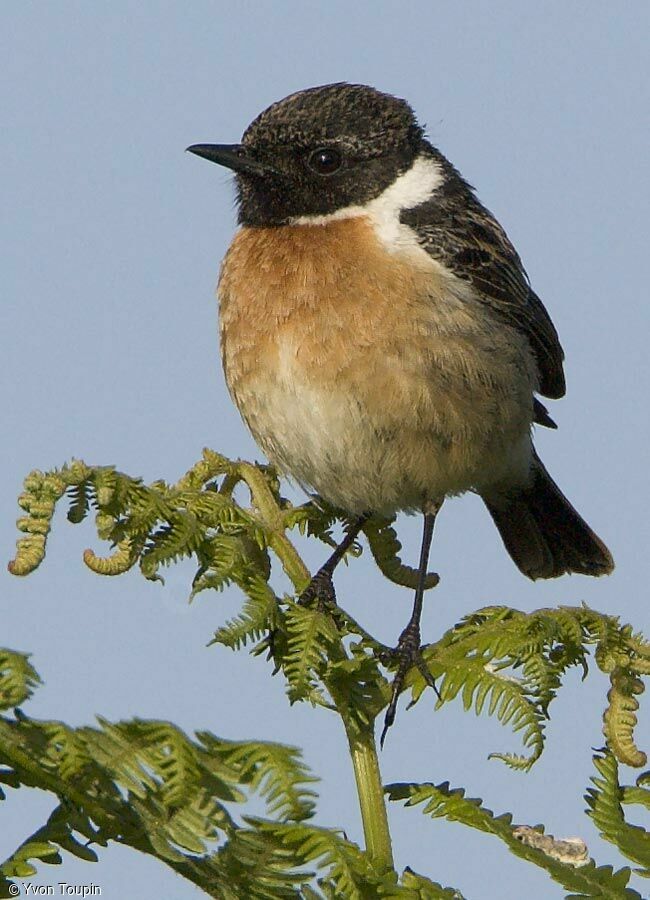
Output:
x=379 y=334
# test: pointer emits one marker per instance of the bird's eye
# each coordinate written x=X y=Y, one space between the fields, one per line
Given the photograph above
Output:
x=325 y=160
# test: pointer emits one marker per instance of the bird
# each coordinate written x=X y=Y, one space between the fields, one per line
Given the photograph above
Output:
x=380 y=336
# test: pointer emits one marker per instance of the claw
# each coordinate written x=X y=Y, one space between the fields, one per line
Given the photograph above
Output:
x=321 y=587
x=409 y=654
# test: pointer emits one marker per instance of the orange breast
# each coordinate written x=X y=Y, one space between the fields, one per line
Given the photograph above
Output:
x=356 y=367
x=326 y=291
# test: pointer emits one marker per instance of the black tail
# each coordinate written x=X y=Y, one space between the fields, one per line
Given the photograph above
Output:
x=544 y=534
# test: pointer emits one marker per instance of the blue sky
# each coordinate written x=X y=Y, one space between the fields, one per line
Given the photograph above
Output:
x=111 y=240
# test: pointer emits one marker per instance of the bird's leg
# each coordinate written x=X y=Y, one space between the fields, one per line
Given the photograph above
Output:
x=408 y=647
x=321 y=587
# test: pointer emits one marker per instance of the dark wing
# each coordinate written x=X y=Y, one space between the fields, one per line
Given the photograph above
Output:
x=462 y=235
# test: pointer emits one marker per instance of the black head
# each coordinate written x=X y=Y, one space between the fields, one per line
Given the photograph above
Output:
x=318 y=151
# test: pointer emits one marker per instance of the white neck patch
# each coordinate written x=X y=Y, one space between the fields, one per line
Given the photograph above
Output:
x=410 y=189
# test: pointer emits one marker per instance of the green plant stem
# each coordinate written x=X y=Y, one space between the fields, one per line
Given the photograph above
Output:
x=363 y=749
x=273 y=519
x=292 y=564
x=370 y=790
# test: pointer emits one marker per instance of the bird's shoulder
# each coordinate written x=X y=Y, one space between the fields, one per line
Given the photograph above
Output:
x=456 y=230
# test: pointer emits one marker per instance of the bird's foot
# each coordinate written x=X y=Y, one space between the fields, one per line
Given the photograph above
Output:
x=319 y=590
x=408 y=653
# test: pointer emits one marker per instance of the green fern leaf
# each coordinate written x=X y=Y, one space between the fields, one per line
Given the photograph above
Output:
x=44 y=845
x=312 y=639
x=347 y=872
x=385 y=548
x=511 y=663
x=605 y=801
x=166 y=751
x=80 y=496
x=259 y=615
x=485 y=689
x=417 y=887
x=636 y=794
x=619 y=719
x=18 y=678
x=276 y=771
x=256 y=865
x=66 y=750
x=358 y=688
x=585 y=881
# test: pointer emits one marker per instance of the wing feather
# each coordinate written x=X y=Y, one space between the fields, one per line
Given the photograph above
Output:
x=461 y=234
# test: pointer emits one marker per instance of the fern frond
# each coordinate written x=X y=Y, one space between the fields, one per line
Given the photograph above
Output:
x=585 y=881
x=116 y=753
x=385 y=548
x=639 y=654
x=162 y=522
x=358 y=689
x=80 y=496
x=413 y=886
x=511 y=663
x=192 y=827
x=259 y=867
x=486 y=688
x=64 y=750
x=39 y=498
x=619 y=719
x=44 y=844
x=210 y=466
x=313 y=520
x=165 y=750
x=258 y=615
x=226 y=558
x=276 y=771
x=18 y=678
x=605 y=808
x=346 y=872
x=636 y=794
x=544 y=680
x=231 y=554
x=149 y=786
x=178 y=538
x=18 y=865
x=312 y=639
x=117 y=563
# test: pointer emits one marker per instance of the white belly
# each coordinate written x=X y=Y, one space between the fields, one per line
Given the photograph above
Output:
x=418 y=439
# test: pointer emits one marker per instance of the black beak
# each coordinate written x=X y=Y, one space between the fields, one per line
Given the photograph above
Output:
x=233 y=156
